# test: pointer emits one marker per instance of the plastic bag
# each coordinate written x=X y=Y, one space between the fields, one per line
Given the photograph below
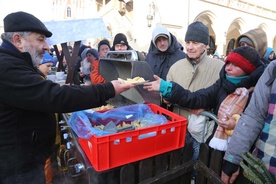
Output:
x=233 y=104
x=82 y=126
x=82 y=121
x=200 y=127
x=120 y=114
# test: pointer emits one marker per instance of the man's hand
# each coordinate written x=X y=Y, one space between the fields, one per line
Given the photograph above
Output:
x=154 y=85
x=119 y=87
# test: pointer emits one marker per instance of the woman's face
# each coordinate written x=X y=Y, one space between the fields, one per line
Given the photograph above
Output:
x=233 y=70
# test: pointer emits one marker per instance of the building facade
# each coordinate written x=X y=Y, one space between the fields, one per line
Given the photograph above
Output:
x=226 y=19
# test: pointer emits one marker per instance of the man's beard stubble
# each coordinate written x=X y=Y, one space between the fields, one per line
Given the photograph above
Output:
x=35 y=55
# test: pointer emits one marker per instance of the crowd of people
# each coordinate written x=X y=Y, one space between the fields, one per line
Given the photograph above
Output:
x=189 y=82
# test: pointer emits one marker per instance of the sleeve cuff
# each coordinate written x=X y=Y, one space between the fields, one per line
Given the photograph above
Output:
x=165 y=88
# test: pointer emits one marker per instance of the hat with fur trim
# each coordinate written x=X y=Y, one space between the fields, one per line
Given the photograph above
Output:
x=247 y=58
x=22 y=21
x=197 y=32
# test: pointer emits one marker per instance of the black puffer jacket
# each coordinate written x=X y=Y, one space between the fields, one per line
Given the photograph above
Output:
x=27 y=106
x=211 y=97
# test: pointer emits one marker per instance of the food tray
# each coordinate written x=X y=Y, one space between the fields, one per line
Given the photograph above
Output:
x=110 y=151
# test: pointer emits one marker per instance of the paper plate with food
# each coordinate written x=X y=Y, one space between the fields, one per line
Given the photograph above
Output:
x=136 y=80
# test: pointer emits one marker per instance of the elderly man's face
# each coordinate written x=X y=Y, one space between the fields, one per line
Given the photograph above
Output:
x=36 y=45
x=195 y=49
x=162 y=43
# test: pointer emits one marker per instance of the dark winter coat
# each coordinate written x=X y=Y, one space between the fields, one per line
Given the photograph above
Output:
x=160 y=62
x=28 y=104
x=211 y=97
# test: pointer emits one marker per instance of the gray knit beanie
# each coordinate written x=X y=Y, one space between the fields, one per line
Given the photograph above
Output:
x=197 y=32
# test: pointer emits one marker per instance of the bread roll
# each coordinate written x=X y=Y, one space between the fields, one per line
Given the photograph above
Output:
x=236 y=118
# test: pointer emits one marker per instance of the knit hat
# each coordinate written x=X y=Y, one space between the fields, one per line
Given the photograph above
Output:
x=94 y=52
x=247 y=58
x=22 y=21
x=246 y=40
x=81 y=49
x=159 y=31
x=47 y=58
x=197 y=32
x=103 y=42
x=120 y=38
x=83 y=54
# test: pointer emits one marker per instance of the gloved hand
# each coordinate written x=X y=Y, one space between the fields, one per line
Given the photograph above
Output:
x=229 y=172
x=229 y=168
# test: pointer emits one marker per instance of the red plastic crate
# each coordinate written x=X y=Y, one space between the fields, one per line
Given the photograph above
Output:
x=110 y=151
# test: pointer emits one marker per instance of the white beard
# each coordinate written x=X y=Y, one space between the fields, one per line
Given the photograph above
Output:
x=85 y=67
x=35 y=55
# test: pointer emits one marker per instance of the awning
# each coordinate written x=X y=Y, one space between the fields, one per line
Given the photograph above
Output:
x=76 y=30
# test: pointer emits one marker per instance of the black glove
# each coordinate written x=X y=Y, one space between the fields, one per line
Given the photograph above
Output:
x=229 y=168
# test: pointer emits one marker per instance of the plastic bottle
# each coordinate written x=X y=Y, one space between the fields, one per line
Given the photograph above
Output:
x=62 y=148
x=60 y=158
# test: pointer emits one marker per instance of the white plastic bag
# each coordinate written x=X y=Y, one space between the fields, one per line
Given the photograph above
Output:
x=200 y=127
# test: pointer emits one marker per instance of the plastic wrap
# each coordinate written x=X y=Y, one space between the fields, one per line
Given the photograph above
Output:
x=82 y=122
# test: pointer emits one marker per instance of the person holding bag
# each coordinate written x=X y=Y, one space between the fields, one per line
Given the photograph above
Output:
x=255 y=129
x=242 y=69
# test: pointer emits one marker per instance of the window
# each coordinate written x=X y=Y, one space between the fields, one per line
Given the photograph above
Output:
x=68 y=12
x=212 y=46
x=230 y=46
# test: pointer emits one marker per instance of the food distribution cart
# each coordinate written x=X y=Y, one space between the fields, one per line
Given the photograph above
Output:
x=121 y=64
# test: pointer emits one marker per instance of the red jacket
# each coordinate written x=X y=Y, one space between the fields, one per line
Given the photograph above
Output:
x=95 y=77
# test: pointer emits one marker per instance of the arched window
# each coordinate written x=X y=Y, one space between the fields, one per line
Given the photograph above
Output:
x=68 y=12
x=212 y=46
x=230 y=46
